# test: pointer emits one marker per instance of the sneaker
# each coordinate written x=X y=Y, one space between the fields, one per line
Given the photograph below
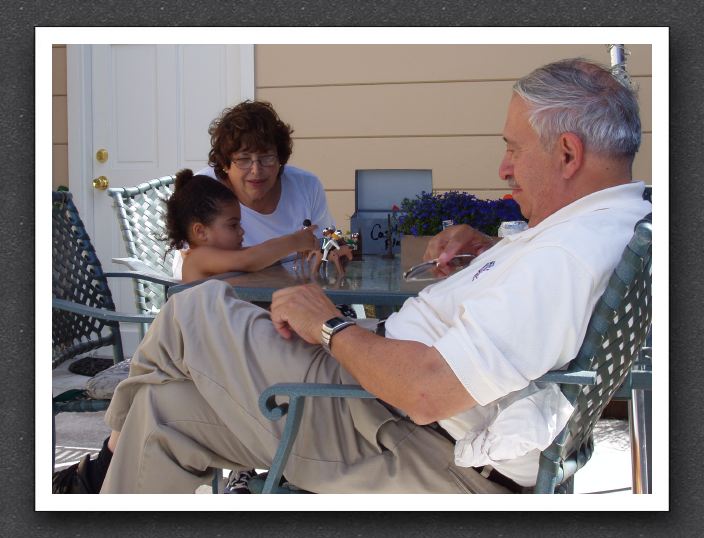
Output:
x=73 y=479
x=86 y=476
x=258 y=484
x=238 y=481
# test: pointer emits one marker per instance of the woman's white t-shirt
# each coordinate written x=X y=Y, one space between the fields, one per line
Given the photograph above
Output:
x=302 y=197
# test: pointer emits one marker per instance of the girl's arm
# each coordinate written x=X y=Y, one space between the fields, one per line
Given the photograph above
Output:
x=205 y=261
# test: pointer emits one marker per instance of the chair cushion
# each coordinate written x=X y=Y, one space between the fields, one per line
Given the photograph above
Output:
x=90 y=366
x=102 y=385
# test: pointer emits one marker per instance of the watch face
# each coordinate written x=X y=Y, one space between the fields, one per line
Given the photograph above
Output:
x=334 y=322
x=332 y=326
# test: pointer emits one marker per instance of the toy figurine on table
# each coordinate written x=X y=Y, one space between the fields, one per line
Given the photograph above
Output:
x=352 y=241
x=335 y=248
x=330 y=241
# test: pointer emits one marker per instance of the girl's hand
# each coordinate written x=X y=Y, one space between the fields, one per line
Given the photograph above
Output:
x=305 y=239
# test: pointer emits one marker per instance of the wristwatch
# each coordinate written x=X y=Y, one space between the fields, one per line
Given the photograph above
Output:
x=332 y=327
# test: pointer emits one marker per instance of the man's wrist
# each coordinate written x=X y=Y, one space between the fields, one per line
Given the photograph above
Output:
x=331 y=327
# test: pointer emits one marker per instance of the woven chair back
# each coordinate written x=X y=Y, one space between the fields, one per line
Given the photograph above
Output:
x=616 y=333
x=76 y=276
x=141 y=212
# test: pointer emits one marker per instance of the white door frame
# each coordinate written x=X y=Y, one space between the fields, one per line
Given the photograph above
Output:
x=80 y=121
x=79 y=100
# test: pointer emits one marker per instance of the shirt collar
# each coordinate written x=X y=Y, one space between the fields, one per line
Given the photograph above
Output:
x=602 y=199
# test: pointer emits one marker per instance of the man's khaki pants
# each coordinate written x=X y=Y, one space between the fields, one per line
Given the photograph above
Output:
x=190 y=405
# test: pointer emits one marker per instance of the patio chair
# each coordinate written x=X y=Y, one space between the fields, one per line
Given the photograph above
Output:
x=616 y=336
x=141 y=213
x=83 y=312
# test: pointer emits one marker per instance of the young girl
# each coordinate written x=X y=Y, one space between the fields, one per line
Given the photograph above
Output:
x=205 y=214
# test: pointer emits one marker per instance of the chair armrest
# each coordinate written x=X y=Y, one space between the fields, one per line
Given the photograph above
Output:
x=639 y=378
x=153 y=277
x=141 y=271
x=296 y=392
x=173 y=290
x=567 y=377
x=273 y=411
x=100 y=313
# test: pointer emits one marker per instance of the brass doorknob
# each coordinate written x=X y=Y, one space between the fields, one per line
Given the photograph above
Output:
x=101 y=183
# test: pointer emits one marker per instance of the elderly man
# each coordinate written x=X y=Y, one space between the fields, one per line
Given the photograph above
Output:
x=457 y=408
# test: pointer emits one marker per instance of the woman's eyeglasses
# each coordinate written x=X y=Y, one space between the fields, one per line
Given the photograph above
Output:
x=245 y=163
x=427 y=270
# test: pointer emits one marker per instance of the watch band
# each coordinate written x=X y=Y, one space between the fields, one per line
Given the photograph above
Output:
x=331 y=327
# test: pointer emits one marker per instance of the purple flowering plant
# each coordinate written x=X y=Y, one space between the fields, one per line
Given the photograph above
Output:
x=424 y=214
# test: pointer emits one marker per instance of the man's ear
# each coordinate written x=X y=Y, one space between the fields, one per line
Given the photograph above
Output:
x=571 y=154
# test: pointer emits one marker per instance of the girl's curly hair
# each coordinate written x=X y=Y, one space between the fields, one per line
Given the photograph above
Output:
x=196 y=198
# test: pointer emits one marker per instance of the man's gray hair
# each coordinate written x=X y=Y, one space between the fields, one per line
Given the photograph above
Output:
x=584 y=98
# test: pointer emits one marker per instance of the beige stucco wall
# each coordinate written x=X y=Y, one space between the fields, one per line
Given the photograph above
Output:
x=59 y=123
x=438 y=107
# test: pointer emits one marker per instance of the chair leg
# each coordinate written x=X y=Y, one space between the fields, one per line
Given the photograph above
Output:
x=118 y=354
x=637 y=419
x=547 y=476
x=293 y=421
x=567 y=486
x=216 y=481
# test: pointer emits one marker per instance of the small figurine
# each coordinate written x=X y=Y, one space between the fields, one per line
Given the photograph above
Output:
x=344 y=252
x=352 y=240
x=302 y=256
x=336 y=257
x=330 y=241
x=335 y=248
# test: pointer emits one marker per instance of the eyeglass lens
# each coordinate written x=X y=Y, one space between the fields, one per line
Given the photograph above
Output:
x=245 y=163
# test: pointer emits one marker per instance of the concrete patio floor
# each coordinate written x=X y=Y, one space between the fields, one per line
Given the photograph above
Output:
x=607 y=472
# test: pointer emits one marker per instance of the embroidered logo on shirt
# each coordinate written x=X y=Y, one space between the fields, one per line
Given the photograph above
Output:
x=486 y=267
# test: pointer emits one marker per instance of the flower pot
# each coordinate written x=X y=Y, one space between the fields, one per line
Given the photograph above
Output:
x=412 y=249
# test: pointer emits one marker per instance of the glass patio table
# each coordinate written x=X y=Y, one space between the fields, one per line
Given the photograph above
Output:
x=372 y=280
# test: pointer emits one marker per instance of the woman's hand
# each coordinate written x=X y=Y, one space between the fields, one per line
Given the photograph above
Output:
x=458 y=239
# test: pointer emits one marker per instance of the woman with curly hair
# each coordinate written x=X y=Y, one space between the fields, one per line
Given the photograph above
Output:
x=250 y=149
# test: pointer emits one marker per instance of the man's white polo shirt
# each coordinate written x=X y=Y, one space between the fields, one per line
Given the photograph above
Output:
x=517 y=311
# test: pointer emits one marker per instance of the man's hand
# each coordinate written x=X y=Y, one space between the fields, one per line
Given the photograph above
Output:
x=301 y=310
x=458 y=239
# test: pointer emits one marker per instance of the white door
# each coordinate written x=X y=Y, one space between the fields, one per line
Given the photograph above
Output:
x=148 y=107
